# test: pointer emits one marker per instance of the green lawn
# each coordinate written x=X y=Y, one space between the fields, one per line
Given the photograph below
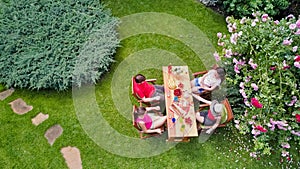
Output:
x=97 y=121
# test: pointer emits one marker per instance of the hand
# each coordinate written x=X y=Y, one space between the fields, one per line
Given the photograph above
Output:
x=157 y=98
x=208 y=131
x=156 y=108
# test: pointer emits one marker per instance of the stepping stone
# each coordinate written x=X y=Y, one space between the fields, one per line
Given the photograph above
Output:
x=20 y=107
x=38 y=119
x=53 y=133
x=72 y=157
x=6 y=93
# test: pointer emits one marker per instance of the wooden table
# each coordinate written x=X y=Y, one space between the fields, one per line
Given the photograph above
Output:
x=180 y=110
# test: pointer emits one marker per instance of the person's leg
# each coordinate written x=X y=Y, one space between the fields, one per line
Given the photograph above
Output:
x=161 y=102
x=199 y=118
x=159 y=88
x=195 y=86
x=158 y=122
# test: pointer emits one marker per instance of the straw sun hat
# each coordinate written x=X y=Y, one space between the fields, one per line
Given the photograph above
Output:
x=216 y=108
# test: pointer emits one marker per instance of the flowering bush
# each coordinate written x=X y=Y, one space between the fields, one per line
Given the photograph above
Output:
x=263 y=63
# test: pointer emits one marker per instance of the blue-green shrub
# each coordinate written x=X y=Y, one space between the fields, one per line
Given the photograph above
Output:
x=53 y=44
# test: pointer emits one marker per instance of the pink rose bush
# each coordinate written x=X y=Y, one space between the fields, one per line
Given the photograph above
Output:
x=262 y=59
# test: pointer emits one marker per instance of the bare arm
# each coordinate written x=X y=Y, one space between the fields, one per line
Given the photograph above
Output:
x=157 y=98
x=201 y=99
x=215 y=125
x=209 y=88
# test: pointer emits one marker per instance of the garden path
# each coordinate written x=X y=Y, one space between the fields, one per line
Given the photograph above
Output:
x=20 y=107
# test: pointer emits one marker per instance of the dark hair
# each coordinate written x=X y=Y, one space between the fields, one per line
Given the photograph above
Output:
x=221 y=72
x=139 y=78
x=139 y=111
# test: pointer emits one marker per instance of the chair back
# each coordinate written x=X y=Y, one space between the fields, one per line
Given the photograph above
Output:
x=229 y=110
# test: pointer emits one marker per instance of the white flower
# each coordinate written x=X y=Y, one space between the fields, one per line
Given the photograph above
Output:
x=295 y=48
x=243 y=20
x=292 y=26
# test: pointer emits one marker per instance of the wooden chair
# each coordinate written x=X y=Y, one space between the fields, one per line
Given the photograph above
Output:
x=226 y=116
x=206 y=93
x=141 y=133
x=133 y=84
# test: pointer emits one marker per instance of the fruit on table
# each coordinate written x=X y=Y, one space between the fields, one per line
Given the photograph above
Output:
x=171 y=83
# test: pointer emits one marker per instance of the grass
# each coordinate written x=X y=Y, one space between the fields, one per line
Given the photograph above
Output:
x=22 y=145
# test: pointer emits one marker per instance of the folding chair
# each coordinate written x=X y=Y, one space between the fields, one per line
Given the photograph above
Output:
x=141 y=133
x=133 y=85
x=226 y=115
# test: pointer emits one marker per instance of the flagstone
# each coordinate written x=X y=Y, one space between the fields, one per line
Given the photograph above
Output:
x=6 y=93
x=38 y=119
x=53 y=133
x=72 y=157
x=20 y=107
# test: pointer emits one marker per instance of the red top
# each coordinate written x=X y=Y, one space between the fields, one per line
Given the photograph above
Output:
x=143 y=89
x=210 y=116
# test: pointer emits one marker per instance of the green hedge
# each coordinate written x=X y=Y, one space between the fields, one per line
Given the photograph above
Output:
x=53 y=44
x=241 y=8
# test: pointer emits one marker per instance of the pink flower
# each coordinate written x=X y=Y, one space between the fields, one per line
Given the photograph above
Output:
x=261 y=129
x=233 y=38
x=293 y=101
x=242 y=85
x=219 y=35
x=242 y=63
x=285 y=145
x=234 y=26
x=246 y=102
x=255 y=132
x=253 y=23
x=276 y=22
x=292 y=26
x=220 y=43
x=217 y=57
x=298 y=23
x=295 y=48
x=271 y=125
x=297 y=118
x=297 y=58
x=297 y=133
x=228 y=53
x=253 y=65
x=264 y=17
x=254 y=86
x=287 y=42
x=298 y=32
x=256 y=103
x=253 y=154
x=243 y=20
x=290 y=16
x=284 y=153
x=230 y=28
x=248 y=78
x=285 y=66
x=273 y=68
x=236 y=69
x=281 y=127
x=297 y=64
x=227 y=19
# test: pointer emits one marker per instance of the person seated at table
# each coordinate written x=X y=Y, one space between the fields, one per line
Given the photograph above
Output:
x=149 y=122
x=210 y=118
x=209 y=81
x=148 y=92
